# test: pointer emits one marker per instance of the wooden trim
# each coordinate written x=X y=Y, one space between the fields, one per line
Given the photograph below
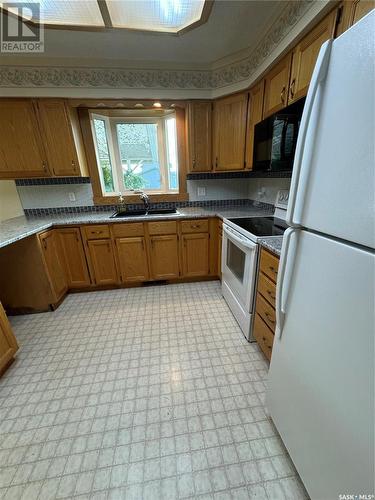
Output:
x=99 y=198
x=121 y=104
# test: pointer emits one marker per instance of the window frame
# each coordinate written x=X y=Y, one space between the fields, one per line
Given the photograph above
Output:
x=100 y=198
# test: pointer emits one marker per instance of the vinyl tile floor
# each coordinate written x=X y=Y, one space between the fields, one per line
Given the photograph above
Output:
x=141 y=393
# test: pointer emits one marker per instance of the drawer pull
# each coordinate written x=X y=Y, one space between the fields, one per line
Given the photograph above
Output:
x=268 y=316
x=273 y=269
x=272 y=295
x=96 y=232
x=195 y=226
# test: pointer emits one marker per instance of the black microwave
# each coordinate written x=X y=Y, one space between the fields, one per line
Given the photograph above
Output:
x=275 y=139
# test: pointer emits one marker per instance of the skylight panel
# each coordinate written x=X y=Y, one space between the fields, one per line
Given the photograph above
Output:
x=65 y=12
x=155 y=15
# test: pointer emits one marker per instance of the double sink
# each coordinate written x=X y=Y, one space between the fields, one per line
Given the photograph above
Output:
x=140 y=213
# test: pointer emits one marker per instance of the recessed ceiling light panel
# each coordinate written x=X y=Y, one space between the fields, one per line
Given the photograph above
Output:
x=168 y=16
x=65 y=12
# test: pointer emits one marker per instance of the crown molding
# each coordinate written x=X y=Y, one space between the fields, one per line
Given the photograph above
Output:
x=190 y=83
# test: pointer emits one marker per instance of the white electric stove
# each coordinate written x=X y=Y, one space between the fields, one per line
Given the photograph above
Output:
x=240 y=259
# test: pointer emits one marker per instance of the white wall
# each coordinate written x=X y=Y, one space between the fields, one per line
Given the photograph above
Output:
x=265 y=190
x=216 y=189
x=55 y=196
x=10 y=204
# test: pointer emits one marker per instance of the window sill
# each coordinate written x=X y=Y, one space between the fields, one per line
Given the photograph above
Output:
x=154 y=198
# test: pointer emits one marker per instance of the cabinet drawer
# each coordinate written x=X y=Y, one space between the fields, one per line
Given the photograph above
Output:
x=266 y=312
x=194 y=226
x=96 y=231
x=267 y=288
x=163 y=227
x=269 y=264
x=130 y=229
x=263 y=336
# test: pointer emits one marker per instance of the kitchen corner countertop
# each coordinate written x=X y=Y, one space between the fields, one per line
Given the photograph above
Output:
x=18 y=228
x=272 y=243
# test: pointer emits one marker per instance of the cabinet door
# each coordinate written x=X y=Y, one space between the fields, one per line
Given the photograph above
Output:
x=276 y=87
x=164 y=257
x=132 y=259
x=229 y=132
x=353 y=11
x=102 y=260
x=21 y=150
x=254 y=116
x=54 y=262
x=60 y=147
x=195 y=254
x=305 y=54
x=8 y=342
x=199 y=136
x=77 y=273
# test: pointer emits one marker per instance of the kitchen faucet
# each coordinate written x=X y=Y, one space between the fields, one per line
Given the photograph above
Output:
x=145 y=198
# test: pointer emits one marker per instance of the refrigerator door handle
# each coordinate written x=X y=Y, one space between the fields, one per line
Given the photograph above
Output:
x=288 y=253
x=299 y=177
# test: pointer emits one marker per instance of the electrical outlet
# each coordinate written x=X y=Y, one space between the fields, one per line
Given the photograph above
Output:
x=72 y=197
x=201 y=191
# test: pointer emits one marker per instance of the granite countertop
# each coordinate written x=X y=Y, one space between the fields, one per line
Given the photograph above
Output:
x=18 y=228
x=272 y=243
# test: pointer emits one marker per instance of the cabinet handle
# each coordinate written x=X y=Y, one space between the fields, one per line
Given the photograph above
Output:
x=143 y=245
x=73 y=164
x=194 y=163
x=273 y=269
x=292 y=85
x=216 y=162
x=96 y=232
x=44 y=166
x=45 y=244
x=271 y=294
x=268 y=316
x=282 y=95
x=195 y=226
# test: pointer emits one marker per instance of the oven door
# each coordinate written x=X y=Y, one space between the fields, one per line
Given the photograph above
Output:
x=239 y=260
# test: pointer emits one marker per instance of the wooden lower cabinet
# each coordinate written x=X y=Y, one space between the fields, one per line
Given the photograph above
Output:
x=8 y=342
x=265 y=314
x=103 y=267
x=263 y=335
x=77 y=273
x=164 y=257
x=132 y=259
x=195 y=254
x=52 y=254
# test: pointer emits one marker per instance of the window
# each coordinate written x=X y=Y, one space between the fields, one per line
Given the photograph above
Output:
x=135 y=152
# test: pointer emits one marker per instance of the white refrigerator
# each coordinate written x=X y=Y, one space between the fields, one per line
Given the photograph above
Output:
x=321 y=381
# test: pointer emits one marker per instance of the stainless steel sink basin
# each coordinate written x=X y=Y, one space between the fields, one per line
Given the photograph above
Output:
x=140 y=213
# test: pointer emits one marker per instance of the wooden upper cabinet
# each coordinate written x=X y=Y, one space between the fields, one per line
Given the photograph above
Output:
x=199 y=134
x=164 y=257
x=77 y=273
x=195 y=254
x=62 y=144
x=54 y=263
x=352 y=11
x=21 y=149
x=8 y=342
x=305 y=54
x=254 y=116
x=103 y=267
x=276 y=87
x=229 y=121
x=132 y=259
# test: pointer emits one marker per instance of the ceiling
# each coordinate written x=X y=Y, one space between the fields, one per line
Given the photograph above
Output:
x=232 y=27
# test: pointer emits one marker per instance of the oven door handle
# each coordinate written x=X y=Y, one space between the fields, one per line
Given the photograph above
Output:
x=245 y=243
